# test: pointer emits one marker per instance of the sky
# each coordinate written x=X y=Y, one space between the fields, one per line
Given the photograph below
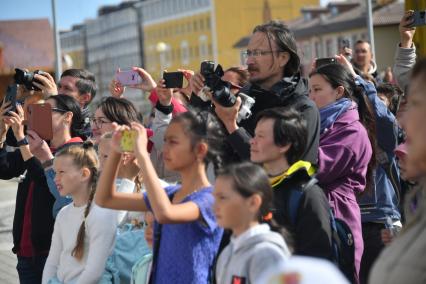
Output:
x=69 y=12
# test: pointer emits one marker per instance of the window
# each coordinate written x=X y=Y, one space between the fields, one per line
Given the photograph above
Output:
x=195 y=26
x=203 y=48
x=184 y=53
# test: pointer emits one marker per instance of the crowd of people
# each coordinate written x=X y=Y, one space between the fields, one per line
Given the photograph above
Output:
x=321 y=183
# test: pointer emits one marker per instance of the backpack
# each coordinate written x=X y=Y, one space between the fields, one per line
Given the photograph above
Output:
x=342 y=238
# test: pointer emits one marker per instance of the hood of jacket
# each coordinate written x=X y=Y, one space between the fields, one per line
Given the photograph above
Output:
x=270 y=237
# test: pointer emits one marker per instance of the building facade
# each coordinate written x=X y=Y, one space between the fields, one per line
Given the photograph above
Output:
x=73 y=47
x=182 y=33
x=114 y=41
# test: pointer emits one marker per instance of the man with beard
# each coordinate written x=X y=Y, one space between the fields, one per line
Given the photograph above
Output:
x=275 y=81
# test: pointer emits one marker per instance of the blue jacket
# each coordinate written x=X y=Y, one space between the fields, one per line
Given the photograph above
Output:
x=384 y=198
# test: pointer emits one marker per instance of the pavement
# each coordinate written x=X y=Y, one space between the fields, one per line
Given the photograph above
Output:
x=8 y=273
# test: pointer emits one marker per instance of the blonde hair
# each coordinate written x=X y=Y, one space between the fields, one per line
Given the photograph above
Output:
x=84 y=156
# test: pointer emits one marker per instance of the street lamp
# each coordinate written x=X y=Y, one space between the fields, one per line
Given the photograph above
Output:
x=58 y=58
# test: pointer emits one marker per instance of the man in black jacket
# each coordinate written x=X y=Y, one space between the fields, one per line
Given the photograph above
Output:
x=278 y=144
x=274 y=68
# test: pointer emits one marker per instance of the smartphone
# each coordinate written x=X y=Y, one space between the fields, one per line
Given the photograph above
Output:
x=40 y=120
x=345 y=43
x=418 y=19
x=12 y=91
x=324 y=61
x=127 y=141
x=128 y=77
x=173 y=79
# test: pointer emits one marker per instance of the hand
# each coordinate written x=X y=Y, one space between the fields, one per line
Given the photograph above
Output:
x=116 y=137
x=4 y=127
x=406 y=34
x=128 y=168
x=116 y=89
x=228 y=115
x=196 y=83
x=387 y=236
x=46 y=83
x=164 y=94
x=188 y=74
x=345 y=62
x=15 y=120
x=39 y=147
x=141 y=141
x=148 y=84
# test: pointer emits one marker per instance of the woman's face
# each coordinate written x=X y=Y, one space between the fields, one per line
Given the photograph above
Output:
x=61 y=119
x=178 y=152
x=100 y=125
x=413 y=123
x=321 y=91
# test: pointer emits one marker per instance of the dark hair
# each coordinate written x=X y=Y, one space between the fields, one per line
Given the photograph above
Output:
x=337 y=75
x=290 y=128
x=84 y=156
x=68 y=103
x=360 y=41
x=278 y=32
x=249 y=179
x=393 y=93
x=86 y=82
x=243 y=74
x=119 y=110
x=203 y=126
x=419 y=69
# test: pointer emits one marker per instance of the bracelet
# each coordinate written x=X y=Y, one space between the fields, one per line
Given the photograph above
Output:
x=47 y=163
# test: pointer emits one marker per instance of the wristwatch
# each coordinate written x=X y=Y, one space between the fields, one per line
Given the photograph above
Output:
x=22 y=142
x=47 y=163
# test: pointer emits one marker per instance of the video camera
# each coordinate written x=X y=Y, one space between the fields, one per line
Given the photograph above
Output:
x=25 y=78
x=221 y=90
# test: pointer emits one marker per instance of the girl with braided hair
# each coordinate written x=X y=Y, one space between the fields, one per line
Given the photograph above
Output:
x=84 y=233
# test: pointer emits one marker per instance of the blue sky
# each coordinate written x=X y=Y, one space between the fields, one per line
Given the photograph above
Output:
x=69 y=12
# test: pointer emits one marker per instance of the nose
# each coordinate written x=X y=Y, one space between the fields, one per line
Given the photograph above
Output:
x=249 y=60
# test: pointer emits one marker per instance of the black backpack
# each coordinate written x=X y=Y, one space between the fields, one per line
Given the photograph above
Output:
x=342 y=238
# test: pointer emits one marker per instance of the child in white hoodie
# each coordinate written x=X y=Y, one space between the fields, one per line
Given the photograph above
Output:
x=242 y=200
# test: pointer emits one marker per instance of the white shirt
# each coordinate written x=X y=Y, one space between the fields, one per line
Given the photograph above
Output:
x=99 y=240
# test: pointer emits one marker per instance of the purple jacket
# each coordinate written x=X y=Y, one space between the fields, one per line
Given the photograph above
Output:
x=344 y=153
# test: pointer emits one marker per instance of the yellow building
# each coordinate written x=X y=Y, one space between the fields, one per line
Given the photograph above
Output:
x=182 y=33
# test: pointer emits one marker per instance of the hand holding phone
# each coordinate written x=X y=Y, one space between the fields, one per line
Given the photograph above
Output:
x=324 y=61
x=418 y=18
x=128 y=77
x=40 y=120
x=127 y=142
x=173 y=79
x=12 y=91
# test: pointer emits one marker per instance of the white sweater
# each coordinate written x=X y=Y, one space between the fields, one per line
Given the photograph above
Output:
x=99 y=240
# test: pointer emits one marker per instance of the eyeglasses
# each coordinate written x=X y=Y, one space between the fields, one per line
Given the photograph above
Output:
x=55 y=109
x=257 y=53
x=98 y=122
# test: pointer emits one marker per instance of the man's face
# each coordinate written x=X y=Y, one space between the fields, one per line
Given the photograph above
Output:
x=67 y=86
x=363 y=55
x=267 y=67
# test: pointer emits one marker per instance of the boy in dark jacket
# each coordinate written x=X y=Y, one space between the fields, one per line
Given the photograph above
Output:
x=279 y=142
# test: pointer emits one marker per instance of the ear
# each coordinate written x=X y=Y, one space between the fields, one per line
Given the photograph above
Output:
x=84 y=99
x=254 y=203
x=340 y=92
x=68 y=117
x=284 y=149
x=201 y=150
x=86 y=173
x=283 y=58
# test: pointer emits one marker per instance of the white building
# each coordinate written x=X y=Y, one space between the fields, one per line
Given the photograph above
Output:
x=114 y=41
x=73 y=47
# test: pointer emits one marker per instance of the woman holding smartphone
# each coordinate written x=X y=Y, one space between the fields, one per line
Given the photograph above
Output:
x=33 y=220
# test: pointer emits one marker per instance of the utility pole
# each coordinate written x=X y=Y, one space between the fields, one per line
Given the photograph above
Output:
x=370 y=25
x=58 y=57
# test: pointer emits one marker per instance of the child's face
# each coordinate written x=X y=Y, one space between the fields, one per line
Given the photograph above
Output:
x=178 y=153
x=231 y=209
x=104 y=146
x=149 y=229
x=69 y=178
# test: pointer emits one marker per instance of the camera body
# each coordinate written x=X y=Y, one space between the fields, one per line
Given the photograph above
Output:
x=418 y=19
x=25 y=78
x=220 y=89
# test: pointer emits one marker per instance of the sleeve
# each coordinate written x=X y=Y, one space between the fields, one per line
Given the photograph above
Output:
x=405 y=58
x=11 y=164
x=313 y=229
x=52 y=262
x=204 y=200
x=60 y=201
x=101 y=233
x=159 y=126
x=240 y=143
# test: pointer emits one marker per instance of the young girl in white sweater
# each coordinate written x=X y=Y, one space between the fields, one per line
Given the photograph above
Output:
x=84 y=233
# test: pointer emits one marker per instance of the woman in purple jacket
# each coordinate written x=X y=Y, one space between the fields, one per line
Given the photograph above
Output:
x=346 y=156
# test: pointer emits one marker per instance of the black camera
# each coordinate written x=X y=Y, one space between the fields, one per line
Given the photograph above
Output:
x=220 y=89
x=25 y=78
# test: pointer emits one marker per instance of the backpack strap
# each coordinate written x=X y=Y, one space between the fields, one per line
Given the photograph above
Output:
x=295 y=197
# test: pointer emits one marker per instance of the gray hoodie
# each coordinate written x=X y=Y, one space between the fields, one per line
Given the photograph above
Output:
x=248 y=255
